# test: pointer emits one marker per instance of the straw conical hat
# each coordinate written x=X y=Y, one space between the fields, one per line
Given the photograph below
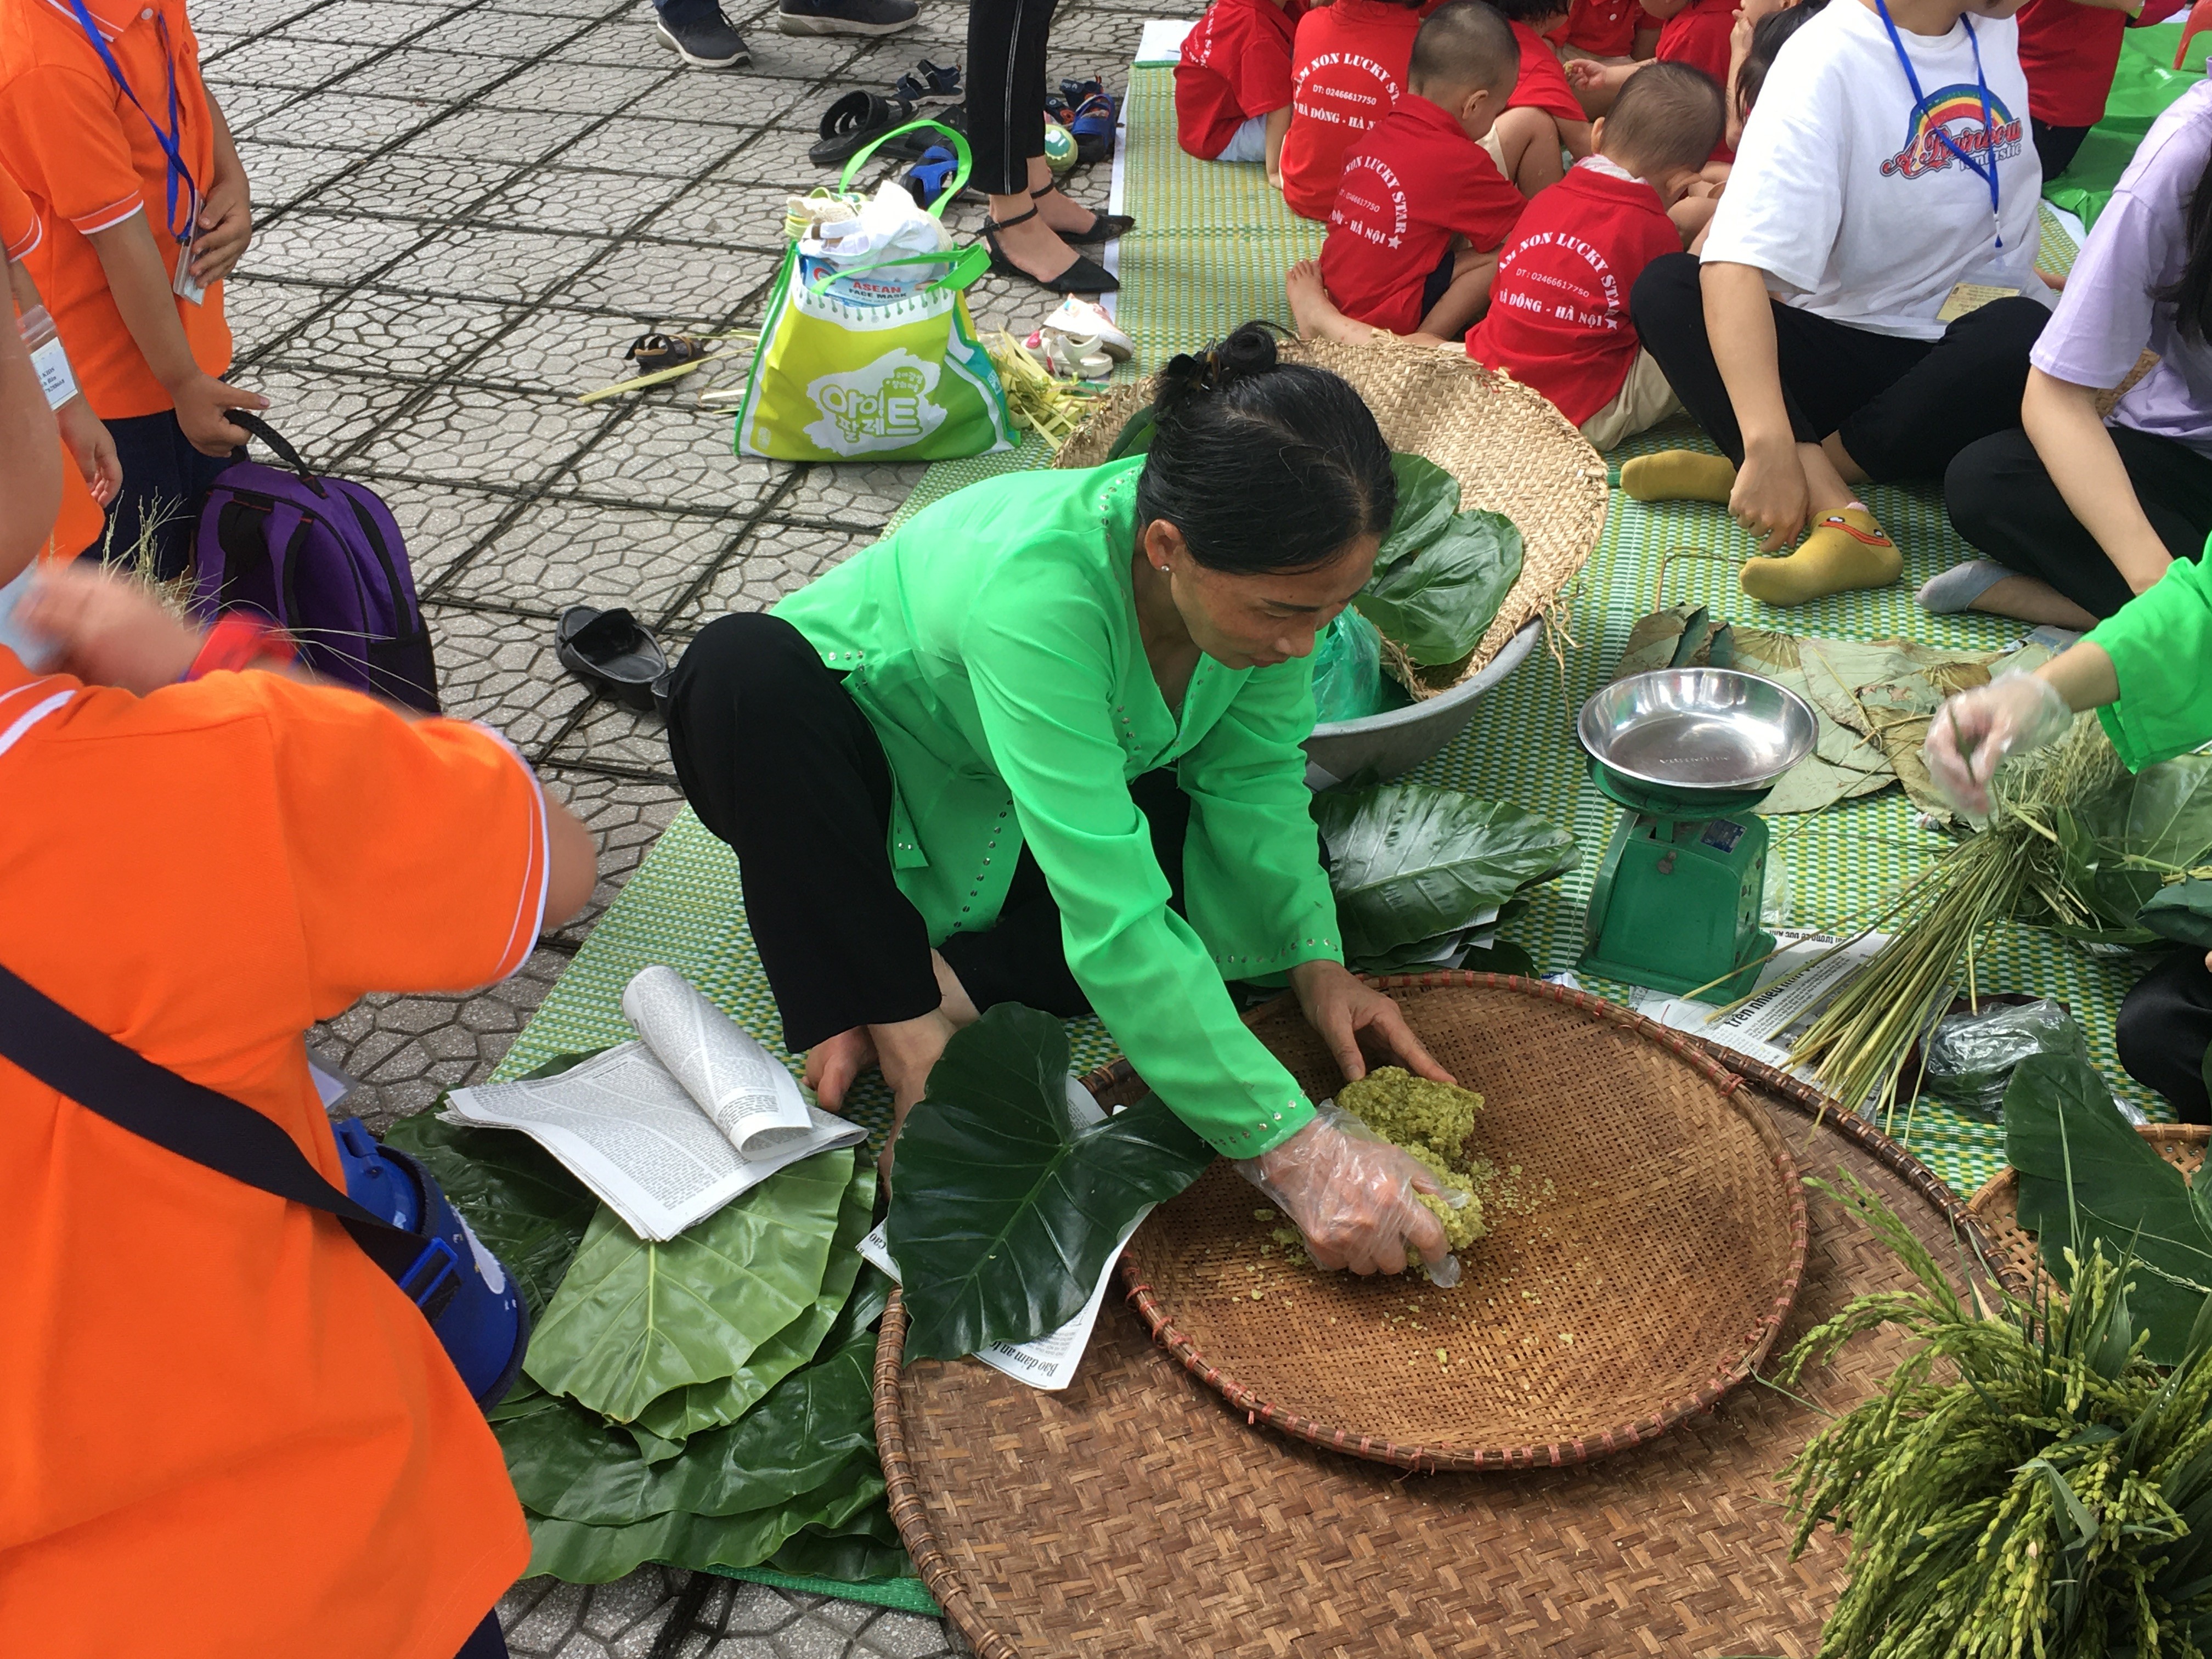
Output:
x=1511 y=450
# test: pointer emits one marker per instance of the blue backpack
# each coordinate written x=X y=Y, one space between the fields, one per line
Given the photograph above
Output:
x=324 y=560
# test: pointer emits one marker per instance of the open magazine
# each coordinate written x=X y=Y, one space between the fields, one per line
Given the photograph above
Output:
x=669 y=1128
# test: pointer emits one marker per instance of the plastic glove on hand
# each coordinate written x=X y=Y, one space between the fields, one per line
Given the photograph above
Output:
x=1972 y=732
x=1350 y=1192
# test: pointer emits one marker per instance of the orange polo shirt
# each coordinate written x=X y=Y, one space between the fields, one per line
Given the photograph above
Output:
x=224 y=1433
x=88 y=160
x=82 y=520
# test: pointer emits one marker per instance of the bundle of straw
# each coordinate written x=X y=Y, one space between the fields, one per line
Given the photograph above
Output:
x=1037 y=401
x=2015 y=866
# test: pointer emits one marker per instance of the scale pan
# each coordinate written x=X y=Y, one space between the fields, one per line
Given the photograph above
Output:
x=1697 y=729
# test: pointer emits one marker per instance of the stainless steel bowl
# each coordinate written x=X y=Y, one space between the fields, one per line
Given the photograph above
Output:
x=1698 y=728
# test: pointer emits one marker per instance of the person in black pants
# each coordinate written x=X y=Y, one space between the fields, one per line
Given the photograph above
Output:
x=2080 y=509
x=2164 y=1029
x=1033 y=222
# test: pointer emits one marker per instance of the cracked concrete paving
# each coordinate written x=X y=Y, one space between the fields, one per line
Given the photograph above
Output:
x=464 y=214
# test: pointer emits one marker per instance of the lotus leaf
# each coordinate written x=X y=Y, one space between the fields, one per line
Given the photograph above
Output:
x=1409 y=861
x=1004 y=1210
x=633 y=1319
x=685 y=1412
x=2085 y=1174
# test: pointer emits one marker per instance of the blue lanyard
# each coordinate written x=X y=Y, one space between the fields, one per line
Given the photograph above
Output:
x=1986 y=170
x=171 y=141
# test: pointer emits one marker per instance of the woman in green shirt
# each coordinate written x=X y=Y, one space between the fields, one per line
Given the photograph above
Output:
x=1043 y=745
x=2144 y=670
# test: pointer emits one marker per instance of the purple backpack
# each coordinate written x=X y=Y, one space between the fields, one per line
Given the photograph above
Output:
x=323 y=560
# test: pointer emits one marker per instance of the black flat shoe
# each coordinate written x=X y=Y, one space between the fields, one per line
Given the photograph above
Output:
x=1103 y=228
x=610 y=651
x=1084 y=276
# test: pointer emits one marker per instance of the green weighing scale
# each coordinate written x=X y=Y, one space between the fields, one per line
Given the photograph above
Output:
x=1690 y=752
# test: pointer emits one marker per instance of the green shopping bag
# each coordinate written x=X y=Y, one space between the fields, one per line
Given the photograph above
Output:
x=909 y=381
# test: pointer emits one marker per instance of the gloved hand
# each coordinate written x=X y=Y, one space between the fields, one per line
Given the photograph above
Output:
x=1972 y=732
x=1350 y=1192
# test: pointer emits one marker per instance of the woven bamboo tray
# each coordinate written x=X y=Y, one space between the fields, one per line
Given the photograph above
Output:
x=1996 y=1206
x=1647 y=1234
x=1511 y=450
x=1132 y=1513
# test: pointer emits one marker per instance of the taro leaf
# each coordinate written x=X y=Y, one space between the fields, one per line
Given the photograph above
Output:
x=582 y=1554
x=1438 y=604
x=2181 y=912
x=684 y=1412
x=2080 y=1160
x=633 y=1319
x=568 y=1466
x=1409 y=861
x=1004 y=1211
x=1427 y=497
x=872 y=1294
x=524 y=1208
x=524 y=1398
x=2162 y=818
x=867 y=1549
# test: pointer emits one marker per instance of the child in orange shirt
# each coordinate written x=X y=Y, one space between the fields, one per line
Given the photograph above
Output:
x=338 y=1493
x=1422 y=209
x=89 y=481
x=146 y=210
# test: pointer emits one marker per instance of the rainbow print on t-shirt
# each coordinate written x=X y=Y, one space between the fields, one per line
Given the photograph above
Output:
x=1955 y=111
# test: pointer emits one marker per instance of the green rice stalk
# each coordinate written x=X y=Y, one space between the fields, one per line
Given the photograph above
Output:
x=2024 y=1484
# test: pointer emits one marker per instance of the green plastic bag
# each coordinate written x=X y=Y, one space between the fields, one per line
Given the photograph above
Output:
x=905 y=381
x=1347 y=670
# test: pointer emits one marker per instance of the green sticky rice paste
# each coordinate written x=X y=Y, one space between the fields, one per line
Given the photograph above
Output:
x=1432 y=1121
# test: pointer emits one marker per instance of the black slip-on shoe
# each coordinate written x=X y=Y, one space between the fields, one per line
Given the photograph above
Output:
x=845 y=16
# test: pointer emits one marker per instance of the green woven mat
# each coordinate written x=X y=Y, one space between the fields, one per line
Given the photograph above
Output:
x=2055 y=256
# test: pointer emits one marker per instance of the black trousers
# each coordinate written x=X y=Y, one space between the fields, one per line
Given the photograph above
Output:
x=1903 y=408
x=164 y=480
x=2001 y=497
x=2164 y=1029
x=1006 y=90
x=778 y=761
x=2056 y=147
x=485 y=1642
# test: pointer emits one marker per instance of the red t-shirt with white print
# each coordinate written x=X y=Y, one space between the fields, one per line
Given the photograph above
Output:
x=1416 y=182
x=1558 y=317
x=1348 y=70
x=1236 y=64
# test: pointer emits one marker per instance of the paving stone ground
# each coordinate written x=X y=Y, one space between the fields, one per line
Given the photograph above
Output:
x=464 y=214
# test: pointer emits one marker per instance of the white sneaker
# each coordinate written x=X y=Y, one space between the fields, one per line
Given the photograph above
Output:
x=1081 y=319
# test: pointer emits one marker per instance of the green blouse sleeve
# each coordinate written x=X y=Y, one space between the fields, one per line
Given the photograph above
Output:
x=1252 y=881
x=2160 y=644
x=1039 y=662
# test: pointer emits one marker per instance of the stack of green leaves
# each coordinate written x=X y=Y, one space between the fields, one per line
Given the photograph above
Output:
x=2135 y=854
x=1441 y=573
x=1418 y=871
x=704 y=1402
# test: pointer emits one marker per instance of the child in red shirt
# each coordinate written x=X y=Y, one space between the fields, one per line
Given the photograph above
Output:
x=1233 y=85
x=1558 y=317
x=2069 y=51
x=1422 y=211
x=1543 y=115
x=1347 y=71
x=1606 y=32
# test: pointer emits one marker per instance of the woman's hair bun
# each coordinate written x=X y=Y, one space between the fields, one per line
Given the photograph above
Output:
x=1249 y=351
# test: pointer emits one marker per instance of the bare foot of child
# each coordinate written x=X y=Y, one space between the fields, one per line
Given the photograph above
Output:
x=1315 y=313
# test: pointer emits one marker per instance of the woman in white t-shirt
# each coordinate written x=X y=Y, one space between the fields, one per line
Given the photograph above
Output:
x=1887 y=178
